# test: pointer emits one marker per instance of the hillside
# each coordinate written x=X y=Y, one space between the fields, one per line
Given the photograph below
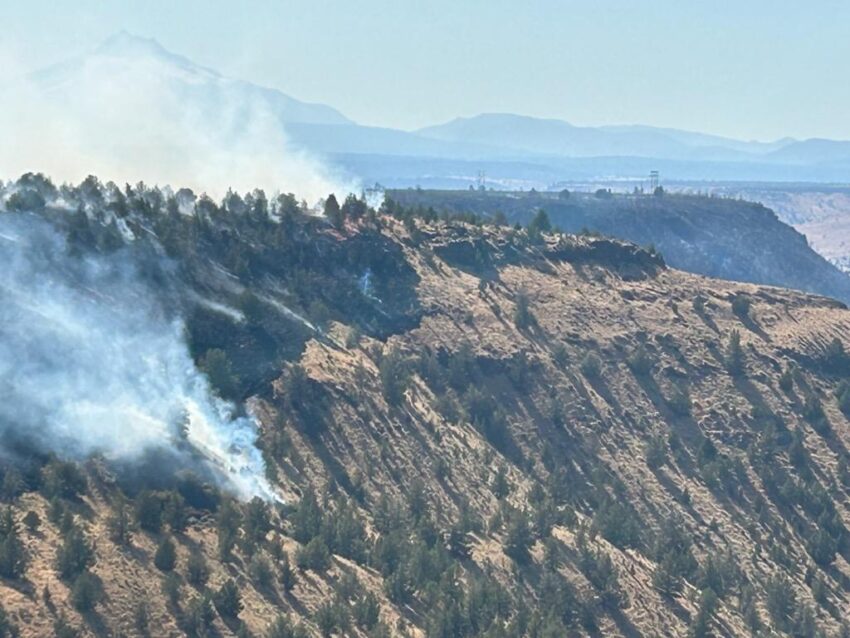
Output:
x=474 y=431
x=717 y=237
x=820 y=212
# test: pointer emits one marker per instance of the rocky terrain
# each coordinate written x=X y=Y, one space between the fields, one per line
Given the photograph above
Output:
x=714 y=236
x=474 y=431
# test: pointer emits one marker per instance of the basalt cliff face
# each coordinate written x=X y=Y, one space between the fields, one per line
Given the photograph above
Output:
x=714 y=236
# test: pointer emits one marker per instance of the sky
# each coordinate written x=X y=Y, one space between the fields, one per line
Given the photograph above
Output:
x=750 y=69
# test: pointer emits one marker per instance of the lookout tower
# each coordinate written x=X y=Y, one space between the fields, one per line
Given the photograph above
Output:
x=654 y=180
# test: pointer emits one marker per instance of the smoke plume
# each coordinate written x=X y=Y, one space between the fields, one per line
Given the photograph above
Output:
x=133 y=112
x=93 y=359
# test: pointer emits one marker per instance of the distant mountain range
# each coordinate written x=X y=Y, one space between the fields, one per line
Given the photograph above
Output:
x=514 y=150
x=126 y=54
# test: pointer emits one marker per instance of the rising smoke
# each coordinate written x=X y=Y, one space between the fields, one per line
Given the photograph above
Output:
x=131 y=115
x=93 y=359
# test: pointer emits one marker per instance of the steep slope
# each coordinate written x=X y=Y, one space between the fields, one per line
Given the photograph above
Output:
x=820 y=212
x=542 y=436
x=717 y=237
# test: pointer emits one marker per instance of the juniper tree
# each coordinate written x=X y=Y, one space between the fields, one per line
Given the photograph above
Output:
x=13 y=558
x=227 y=600
x=165 y=557
x=735 y=354
x=75 y=555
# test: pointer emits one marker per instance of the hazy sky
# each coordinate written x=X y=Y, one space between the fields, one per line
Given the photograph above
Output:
x=754 y=69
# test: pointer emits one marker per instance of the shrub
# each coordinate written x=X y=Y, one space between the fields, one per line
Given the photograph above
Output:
x=591 y=365
x=741 y=304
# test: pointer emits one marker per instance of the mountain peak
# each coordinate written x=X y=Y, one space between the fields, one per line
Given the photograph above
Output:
x=124 y=43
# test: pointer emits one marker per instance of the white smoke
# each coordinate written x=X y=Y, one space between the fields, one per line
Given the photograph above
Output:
x=92 y=360
x=139 y=113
